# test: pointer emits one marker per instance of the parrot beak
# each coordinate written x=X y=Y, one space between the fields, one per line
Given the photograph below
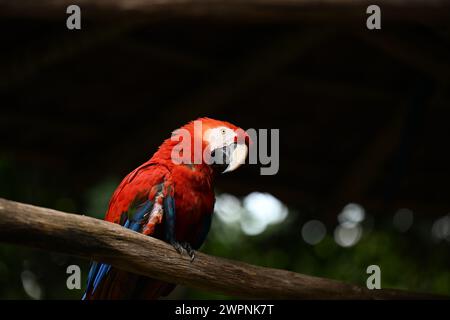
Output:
x=230 y=157
x=238 y=155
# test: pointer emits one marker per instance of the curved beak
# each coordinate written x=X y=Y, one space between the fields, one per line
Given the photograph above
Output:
x=237 y=157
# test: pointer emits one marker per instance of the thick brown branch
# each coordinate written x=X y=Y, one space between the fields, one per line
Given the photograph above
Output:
x=95 y=239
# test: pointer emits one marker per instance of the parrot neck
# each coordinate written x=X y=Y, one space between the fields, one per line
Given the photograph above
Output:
x=164 y=156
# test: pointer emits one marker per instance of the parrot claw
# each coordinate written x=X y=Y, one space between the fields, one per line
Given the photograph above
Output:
x=177 y=246
x=184 y=247
x=189 y=250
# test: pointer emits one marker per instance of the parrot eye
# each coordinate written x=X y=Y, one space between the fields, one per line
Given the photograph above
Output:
x=223 y=131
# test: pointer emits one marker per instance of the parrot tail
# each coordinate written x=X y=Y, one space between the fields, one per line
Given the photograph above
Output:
x=122 y=285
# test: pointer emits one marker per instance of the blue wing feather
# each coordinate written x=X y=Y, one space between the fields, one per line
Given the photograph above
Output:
x=98 y=271
x=169 y=216
x=93 y=270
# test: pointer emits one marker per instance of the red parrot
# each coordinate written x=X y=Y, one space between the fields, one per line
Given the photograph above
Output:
x=171 y=200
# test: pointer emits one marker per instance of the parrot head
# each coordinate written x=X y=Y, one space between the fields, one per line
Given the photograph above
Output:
x=225 y=145
x=218 y=144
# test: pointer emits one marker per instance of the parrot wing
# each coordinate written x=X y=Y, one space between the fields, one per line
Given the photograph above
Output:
x=139 y=203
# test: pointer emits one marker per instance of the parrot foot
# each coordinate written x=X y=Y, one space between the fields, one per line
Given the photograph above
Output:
x=189 y=250
x=184 y=247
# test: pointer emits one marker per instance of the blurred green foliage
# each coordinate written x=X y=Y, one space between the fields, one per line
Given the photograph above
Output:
x=408 y=260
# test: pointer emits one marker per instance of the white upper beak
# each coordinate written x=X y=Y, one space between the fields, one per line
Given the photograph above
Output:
x=237 y=158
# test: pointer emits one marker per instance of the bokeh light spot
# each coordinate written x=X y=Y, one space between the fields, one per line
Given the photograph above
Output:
x=351 y=215
x=228 y=208
x=313 y=232
x=31 y=285
x=347 y=236
x=441 y=228
x=403 y=220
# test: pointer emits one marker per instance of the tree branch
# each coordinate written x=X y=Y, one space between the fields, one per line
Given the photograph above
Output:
x=128 y=250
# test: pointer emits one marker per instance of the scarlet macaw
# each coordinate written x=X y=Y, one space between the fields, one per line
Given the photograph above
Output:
x=168 y=200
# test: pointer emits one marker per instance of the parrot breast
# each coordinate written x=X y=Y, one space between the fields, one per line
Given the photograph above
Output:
x=194 y=198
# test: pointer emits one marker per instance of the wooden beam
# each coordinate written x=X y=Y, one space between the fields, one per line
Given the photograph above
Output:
x=237 y=10
x=131 y=251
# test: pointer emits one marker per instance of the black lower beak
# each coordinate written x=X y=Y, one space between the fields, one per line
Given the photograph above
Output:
x=221 y=157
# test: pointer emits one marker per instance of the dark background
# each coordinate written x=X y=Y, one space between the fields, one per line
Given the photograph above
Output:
x=363 y=118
